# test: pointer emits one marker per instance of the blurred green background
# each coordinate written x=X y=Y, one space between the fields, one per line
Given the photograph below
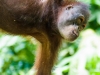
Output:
x=82 y=57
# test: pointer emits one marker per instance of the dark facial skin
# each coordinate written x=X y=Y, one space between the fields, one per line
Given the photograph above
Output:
x=72 y=20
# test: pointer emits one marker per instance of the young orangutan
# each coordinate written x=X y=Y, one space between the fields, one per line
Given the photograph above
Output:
x=49 y=21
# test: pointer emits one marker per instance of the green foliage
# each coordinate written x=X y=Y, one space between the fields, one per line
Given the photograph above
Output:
x=16 y=55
